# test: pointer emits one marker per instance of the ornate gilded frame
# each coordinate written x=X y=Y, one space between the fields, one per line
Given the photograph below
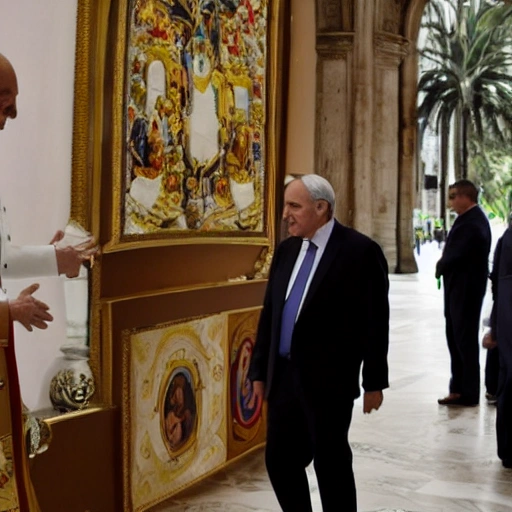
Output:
x=97 y=151
x=192 y=104
x=99 y=131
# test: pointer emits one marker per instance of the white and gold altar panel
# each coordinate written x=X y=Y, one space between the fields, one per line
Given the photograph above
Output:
x=166 y=453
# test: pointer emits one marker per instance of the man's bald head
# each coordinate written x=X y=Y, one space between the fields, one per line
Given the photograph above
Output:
x=8 y=91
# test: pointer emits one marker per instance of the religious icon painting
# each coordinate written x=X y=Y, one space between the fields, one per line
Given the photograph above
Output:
x=175 y=400
x=195 y=86
x=246 y=415
x=178 y=413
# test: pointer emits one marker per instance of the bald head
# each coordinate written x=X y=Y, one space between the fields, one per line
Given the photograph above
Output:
x=8 y=91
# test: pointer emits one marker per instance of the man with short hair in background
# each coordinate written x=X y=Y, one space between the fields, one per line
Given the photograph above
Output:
x=464 y=266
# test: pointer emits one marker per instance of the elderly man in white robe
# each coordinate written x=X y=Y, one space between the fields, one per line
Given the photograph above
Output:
x=16 y=491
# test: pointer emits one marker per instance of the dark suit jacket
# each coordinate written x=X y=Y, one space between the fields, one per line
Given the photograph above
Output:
x=464 y=264
x=501 y=316
x=344 y=320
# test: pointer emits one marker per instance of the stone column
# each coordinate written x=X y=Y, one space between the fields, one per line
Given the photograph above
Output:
x=334 y=101
x=334 y=120
x=390 y=49
x=363 y=115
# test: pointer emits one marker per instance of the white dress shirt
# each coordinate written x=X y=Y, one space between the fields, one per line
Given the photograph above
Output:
x=320 y=239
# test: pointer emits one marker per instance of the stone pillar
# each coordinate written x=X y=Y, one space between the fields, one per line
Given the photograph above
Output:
x=334 y=118
x=334 y=101
x=390 y=49
x=363 y=115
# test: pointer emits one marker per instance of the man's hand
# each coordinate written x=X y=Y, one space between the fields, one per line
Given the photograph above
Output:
x=258 y=392
x=70 y=258
x=488 y=341
x=372 y=400
x=29 y=311
x=59 y=235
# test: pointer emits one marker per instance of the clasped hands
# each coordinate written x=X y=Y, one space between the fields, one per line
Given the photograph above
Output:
x=31 y=312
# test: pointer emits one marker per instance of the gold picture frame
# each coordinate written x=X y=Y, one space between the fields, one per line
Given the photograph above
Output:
x=224 y=190
x=97 y=156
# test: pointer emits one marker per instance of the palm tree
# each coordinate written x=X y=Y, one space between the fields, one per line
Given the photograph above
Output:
x=494 y=171
x=465 y=75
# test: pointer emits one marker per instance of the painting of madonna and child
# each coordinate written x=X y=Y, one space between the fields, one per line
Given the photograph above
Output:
x=195 y=116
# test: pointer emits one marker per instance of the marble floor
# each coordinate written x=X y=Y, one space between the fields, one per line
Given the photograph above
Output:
x=412 y=455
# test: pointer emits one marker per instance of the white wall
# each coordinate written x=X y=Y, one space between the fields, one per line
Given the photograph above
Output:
x=35 y=163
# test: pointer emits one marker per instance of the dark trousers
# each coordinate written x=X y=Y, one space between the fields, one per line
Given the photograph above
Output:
x=492 y=370
x=303 y=429
x=462 y=326
x=504 y=415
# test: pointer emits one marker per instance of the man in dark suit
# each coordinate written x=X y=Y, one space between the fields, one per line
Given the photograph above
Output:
x=310 y=375
x=501 y=332
x=464 y=266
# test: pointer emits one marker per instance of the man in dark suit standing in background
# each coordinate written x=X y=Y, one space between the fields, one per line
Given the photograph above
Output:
x=501 y=332
x=317 y=328
x=464 y=266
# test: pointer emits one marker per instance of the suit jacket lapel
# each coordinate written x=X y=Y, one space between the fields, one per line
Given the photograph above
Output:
x=330 y=253
x=287 y=269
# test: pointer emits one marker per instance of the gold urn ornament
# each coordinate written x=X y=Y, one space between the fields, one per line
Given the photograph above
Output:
x=72 y=387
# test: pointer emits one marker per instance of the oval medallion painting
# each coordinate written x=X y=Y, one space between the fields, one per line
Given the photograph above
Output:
x=179 y=418
x=246 y=409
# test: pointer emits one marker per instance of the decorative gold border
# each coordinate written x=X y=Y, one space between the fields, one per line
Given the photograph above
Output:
x=90 y=57
x=90 y=50
x=237 y=330
x=117 y=240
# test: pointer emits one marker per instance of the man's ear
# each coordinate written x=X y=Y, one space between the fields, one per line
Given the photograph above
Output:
x=322 y=206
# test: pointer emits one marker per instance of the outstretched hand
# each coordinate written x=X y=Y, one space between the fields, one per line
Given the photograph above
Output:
x=29 y=311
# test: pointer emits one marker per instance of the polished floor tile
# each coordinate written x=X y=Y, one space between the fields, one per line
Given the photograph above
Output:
x=412 y=455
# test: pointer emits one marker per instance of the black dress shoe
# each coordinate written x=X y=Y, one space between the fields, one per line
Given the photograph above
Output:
x=457 y=401
x=507 y=463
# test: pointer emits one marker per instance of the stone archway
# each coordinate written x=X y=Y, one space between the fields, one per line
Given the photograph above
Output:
x=360 y=51
x=365 y=116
